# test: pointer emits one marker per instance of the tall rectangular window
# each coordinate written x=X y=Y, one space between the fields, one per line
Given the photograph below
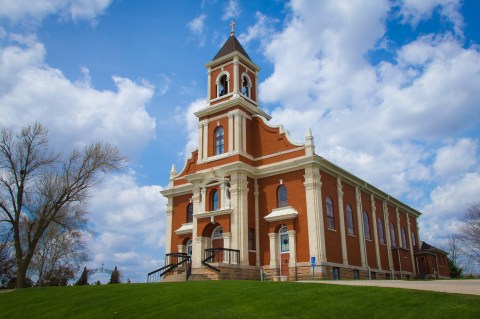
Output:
x=251 y=239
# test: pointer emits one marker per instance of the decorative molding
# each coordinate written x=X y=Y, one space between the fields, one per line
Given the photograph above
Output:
x=282 y=213
x=185 y=229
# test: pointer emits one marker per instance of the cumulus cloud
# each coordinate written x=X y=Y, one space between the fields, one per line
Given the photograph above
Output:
x=191 y=126
x=26 y=10
x=262 y=30
x=197 y=28
x=130 y=222
x=74 y=111
x=456 y=158
x=412 y=12
x=231 y=10
x=386 y=122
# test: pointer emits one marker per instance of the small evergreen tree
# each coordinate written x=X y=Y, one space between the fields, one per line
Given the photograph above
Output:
x=83 y=280
x=115 y=278
x=455 y=272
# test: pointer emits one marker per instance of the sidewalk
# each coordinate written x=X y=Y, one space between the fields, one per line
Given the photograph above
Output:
x=468 y=287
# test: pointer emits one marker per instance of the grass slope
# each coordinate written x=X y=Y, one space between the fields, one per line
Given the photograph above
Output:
x=234 y=299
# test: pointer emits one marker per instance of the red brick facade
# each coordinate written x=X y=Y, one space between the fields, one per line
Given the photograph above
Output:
x=245 y=169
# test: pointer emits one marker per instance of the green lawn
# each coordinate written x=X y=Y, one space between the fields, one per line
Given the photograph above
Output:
x=234 y=299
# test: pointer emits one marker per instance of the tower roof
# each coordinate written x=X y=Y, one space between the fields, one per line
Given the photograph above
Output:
x=230 y=46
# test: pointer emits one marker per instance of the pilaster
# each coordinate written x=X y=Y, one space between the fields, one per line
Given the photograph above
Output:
x=239 y=217
x=196 y=249
x=341 y=218
x=168 y=226
x=209 y=85
x=399 y=229
x=316 y=230
x=205 y=140
x=235 y=75
x=388 y=237
x=200 y=142
x=375 y=231
x=231 y=117
x=273 y=249
x=361 y=235
x=409 y=231
x=292 y=244
x=257 y=224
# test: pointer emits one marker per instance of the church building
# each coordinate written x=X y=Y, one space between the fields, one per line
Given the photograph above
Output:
x=250 y=203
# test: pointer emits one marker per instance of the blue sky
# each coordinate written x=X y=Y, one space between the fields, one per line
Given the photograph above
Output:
x=389 y=88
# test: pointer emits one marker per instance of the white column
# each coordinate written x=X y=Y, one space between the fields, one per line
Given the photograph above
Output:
x=239 y=217
x=257 y=225
x=244 y=133
x=231 y=117
x=196 y=248
x=209 y=85
x=168 y=226
x=341 y=217
x=226 y=244
x=399 y=229
x=273 y=249
x=200 y=142
x=361 y=236
x=237 y=133
x=375 y=231
x=292 y=244
x=203 y=200
x=316 y=230
x=205 y=139
x=256 y=87
x=235 y=75
x=410 y=244
x=388 y=236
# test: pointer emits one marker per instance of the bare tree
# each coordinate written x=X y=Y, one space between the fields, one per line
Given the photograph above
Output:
x=7 y=263
x=470 y=232
x=459 y=259
x=59 y=252
x=39 y=188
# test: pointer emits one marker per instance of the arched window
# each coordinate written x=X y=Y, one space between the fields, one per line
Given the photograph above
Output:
x=366 y=225
x=404 y=239
x=351 y=230
x=414 y=241
x=223 y=85
x=219 y=141
x=392 y=235
x=217 y=233
x=214 y=197
x=282 y=197
x=330 y=216
x=284 y=241
x=189 y=213
x=380 y=231
x=246 y=86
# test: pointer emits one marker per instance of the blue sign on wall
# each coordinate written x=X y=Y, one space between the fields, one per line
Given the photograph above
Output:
x=312 y=261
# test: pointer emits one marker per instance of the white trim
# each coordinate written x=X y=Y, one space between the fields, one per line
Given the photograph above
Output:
x=218 y=212
x=217 y=83
x=281 y=130
x=279 y=153
x=282 y=213
x=186 y=228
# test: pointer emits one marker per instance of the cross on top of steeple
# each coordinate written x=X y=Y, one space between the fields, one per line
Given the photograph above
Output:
x=232 y=25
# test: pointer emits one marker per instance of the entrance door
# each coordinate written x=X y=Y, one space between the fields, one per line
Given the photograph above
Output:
x=284 y=250
x=217 y=242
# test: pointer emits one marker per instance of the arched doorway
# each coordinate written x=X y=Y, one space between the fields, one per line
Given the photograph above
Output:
x=284 y=250
x=217 y=242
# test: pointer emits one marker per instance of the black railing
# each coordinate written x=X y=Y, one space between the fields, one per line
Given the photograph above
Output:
x=221 y=256
x=172 y=261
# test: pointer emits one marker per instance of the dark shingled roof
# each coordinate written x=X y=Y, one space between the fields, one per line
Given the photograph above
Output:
x=230 y=46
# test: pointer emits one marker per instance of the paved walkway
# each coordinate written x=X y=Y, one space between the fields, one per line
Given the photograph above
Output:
x=468 y=287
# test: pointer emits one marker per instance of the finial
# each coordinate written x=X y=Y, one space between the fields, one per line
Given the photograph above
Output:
x=173 y=171
x=232 y=25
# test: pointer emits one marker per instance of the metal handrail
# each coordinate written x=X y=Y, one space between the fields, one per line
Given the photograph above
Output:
x=160 y=272
x=222 y=255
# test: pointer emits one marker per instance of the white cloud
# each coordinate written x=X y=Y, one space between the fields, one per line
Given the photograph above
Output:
x=231 y=10
x=456 y=158
x=35 y=11
x=262 y=30
x=74 y=112
x=197 y=28
x=447 y=203
x=191 y=126
x=130 y=220
x=413 y=12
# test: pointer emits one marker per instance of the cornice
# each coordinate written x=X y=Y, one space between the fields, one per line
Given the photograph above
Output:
x=234 y=101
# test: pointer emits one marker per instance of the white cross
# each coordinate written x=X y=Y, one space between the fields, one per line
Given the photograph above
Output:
x=232 y=25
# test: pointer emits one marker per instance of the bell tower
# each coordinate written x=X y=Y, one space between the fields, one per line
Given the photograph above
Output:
x=232 y=101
